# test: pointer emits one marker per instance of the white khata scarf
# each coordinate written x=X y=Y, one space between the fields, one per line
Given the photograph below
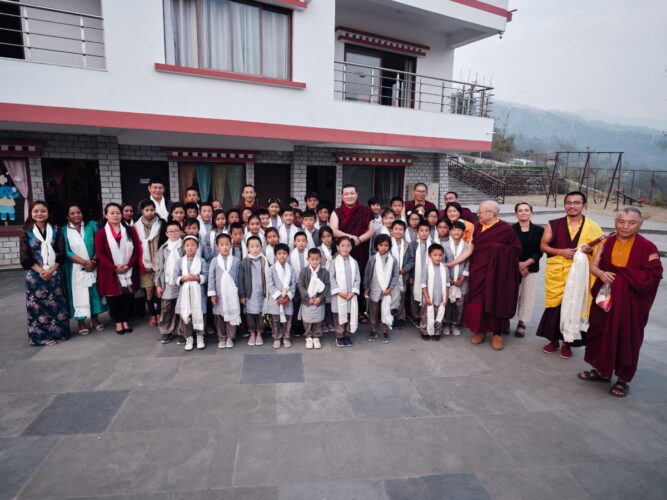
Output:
x=231 y=308
x=575 y=299
x=416 y=287
x=285 y=277
x=383 y=271
x=455 y=291
x=161 y=208
x=287 y=235
x=170 y=263
x=346 y=308
x=315 y=285
x=82 y=280
x=122 y=254
x=270 y=254
x=145 y=241
x=190 y=295
x=326 y=252
x=432 y=316
x=296 y=261
x=46 y=247
x=398 y=252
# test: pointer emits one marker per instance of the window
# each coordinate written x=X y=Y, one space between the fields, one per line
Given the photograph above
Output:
x=383 y=182
x=15 y=192
x=72 y=181
x=214 y=181
x=228 y=35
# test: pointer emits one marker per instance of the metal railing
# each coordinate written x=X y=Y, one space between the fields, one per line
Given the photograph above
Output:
x=390 y=87
x=51 y=35
x=478 y=179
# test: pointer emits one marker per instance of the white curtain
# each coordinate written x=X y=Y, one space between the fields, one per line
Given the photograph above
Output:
x=245 y=38
x=180 y=32
x=216 y=39
x=275 y=46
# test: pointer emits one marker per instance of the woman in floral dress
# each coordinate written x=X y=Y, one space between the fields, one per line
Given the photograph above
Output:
x=42 y=254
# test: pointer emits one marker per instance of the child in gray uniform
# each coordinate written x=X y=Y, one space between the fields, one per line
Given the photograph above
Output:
x=223 y=276
x=458 y=279
x=313 y=287
x=168 y=254
x=281 y=284
x=380 y=279
x=434 y=283
x=252 y=289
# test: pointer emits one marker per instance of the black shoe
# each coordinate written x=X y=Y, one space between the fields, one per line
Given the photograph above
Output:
x=348 y=341
x=165 y=339
x=506 y=333
x=387 y=340
x=180 y=340
x=372 y=337
x=425 y=337
x=436 y=338
x=120 y=332
x=400 y=323
x=341 y=342
x=128 y=329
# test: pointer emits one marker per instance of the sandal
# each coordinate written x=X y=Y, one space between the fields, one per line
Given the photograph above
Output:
x=620 y=389
x=520 y=331
x=99 y=327
x=593 y=376
x=51 y=342
x=84 y=331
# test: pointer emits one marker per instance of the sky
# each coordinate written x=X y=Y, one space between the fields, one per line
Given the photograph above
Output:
x=602 y=59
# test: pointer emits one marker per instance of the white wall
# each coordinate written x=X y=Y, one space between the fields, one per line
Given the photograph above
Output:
x=460 y=11
x=135 y=41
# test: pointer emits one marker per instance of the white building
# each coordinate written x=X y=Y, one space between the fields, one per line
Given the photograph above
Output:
x=290 y=95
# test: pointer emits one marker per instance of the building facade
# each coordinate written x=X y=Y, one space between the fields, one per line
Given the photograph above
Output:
x=290 y=95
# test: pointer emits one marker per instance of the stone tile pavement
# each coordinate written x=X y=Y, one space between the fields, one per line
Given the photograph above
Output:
x=125 y=417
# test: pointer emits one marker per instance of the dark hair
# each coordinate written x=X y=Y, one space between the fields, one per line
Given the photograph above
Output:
x=145 y=203
x=29 y=223
x=190 y=237
x=280 y=247
x=311 y=195
x=205 y=204
x=349 y=186
x=516 y=207
x=420 y=184
x=254 y=238
x=155 y=180
x=246 y=186
x=323 y=205
x=192 y=188
x=271 y=201
x=171 y=223
x=314 y=251
x=399 y=223
x=430 y=211
x=576 y=193
x=445 y=220
x=176 y=204
x=396 y=198
x=271 y=230
x=223 y=235
x=423 y=223
x=287 y=209
x=72 y=205
x=456 y=205
x=215 y=216
x=452 y=192
x=233 y=211
x=292 y=200
x=344 y=238
x=325 y=229
x=387 y=211
x=434 y=247
x=308 y=213
x=457 y=224
x=126 y=204
x=191 y=206
x=413 y=212
x=261 y=211
x=235 y=225
x=381 y=238
x=300 y=233
x=254 y=216
x=373 y=200
x=298 y=212
x=190 y=221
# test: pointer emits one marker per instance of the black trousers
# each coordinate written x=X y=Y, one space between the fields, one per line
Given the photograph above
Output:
x=120 y=307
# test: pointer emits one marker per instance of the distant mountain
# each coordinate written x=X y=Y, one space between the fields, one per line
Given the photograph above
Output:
x=549 y=131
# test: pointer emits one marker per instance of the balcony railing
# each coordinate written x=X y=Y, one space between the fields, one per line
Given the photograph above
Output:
x=51 y=35
x=390 y=87
x=475 y=177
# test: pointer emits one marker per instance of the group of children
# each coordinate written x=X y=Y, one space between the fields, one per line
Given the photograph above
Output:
x=281 y=268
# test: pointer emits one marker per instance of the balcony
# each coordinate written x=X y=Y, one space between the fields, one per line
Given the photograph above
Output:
x=62 y=35
x=390 y=87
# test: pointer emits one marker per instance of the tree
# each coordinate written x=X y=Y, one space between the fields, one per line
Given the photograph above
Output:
x=503 y=146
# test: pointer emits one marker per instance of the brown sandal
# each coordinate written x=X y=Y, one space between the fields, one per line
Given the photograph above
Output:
x=620 y=389
x=592 y=376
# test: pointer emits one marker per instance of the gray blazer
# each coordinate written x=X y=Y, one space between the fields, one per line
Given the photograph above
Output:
x=170 y=291
x=203 y=275
x=463 y=266
x=275 y=288
x=214 y=275
x=312 y=313
x=370 y=268
x=356 y=285
x=245 y=277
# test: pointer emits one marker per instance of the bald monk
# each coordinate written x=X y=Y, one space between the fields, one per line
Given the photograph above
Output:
x=493 y=285
x=631 y=265
x=560 y=241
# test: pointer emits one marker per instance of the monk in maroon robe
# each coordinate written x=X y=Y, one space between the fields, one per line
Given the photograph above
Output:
x=493 y=287
x=354 y=220
x=420 y=203
x=631 y=265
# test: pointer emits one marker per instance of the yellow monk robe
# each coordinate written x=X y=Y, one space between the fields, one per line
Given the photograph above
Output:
x=620 y=254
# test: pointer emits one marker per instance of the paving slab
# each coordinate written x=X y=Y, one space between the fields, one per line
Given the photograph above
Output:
x=621 y=480
x=334 y=490
x=437 y=487
x=313 y=402
x=18 y=410
x=543 y=483
x=272 y=368
x=19 y=458
x=386 y=399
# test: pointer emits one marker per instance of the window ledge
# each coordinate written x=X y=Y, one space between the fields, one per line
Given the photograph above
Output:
x=228 y=75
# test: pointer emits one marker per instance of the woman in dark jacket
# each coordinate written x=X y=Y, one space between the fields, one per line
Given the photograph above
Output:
x=530 y=236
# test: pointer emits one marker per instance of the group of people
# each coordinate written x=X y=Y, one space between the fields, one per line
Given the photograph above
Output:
x=252 y=270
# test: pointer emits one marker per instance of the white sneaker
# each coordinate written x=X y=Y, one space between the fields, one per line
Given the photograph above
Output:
x=259 y=340
x=229 y=343
x=317 y=344
x=309 y=343
x=200 y=342
x=287 y=343
x=251 y=340
x=221 y=345
x=456 y=332
x=446 y=330
x=189 y=343
x=276 y=344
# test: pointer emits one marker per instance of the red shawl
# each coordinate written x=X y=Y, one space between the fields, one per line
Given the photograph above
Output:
x=354 y=220
x=614 y=338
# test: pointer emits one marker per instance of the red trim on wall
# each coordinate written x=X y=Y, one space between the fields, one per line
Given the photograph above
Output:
x=299 y=4
x=228 y=75
x=392 y=160
x=486 y=7
x=28 y=113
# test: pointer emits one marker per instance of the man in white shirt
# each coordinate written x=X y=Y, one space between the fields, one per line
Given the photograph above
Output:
x=156 y=190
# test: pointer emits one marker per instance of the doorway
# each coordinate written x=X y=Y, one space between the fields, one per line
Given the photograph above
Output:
x=272 y=181
x=322 y=180
x=72 y=181
x=134 y=177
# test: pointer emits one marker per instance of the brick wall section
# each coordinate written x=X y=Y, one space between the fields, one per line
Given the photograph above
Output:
x=443 y=179
x=250 y=173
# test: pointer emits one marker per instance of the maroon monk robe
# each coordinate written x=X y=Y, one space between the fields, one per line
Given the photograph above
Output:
x=615 y=337
x=355 y=221
x=493 y=287
x=410 y=206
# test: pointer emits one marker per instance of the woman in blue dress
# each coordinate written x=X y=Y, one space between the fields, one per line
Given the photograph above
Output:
x=42 y=253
